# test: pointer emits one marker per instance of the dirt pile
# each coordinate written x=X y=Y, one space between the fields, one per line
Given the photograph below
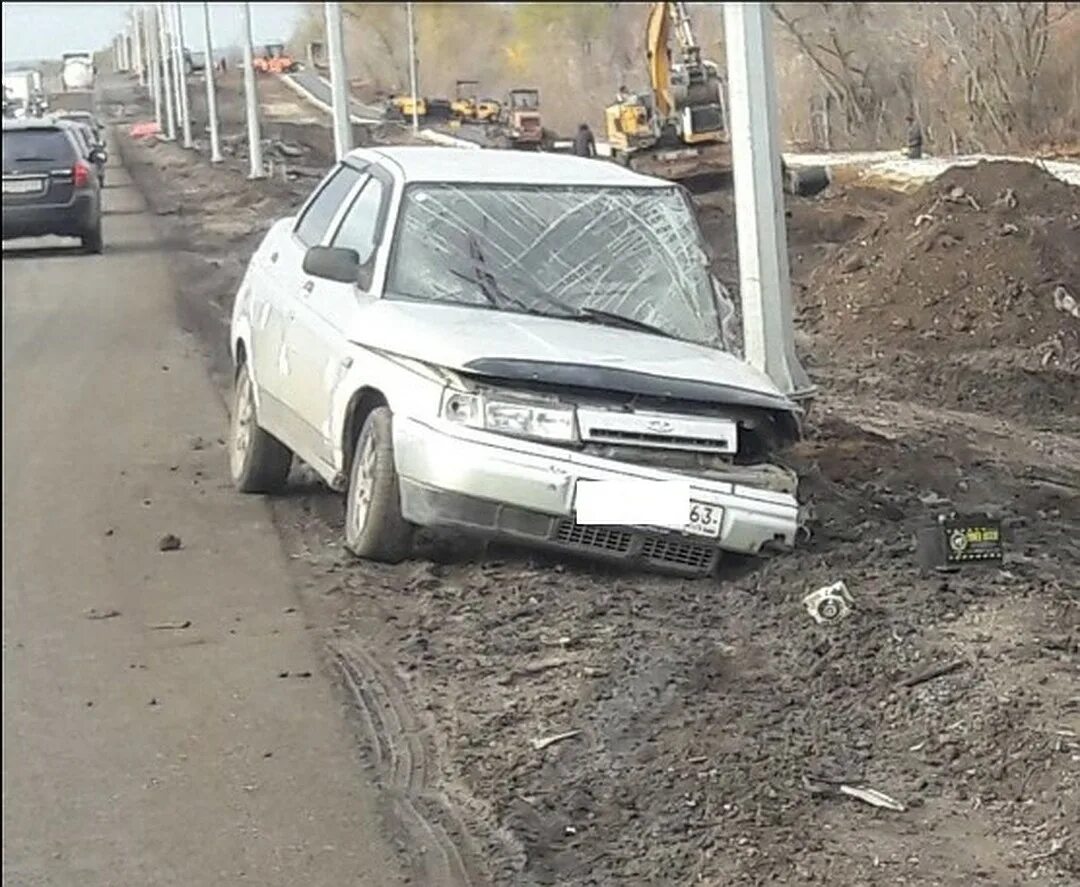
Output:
x=975 y=272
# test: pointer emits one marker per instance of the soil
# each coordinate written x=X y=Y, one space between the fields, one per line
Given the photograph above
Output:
x=697 y=710
x=951 y=294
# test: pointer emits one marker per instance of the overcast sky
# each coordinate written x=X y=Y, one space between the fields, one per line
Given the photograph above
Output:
x=45 y=30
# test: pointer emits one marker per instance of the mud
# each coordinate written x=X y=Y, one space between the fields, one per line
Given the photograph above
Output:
x=703 y=706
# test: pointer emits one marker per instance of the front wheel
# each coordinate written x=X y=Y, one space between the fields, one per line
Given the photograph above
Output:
x=374 y=527
x=258 y=461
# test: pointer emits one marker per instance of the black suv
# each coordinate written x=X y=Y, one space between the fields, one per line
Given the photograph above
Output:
x=89 y=142
x=50 y=187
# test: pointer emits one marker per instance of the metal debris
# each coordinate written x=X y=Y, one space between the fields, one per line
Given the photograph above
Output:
x=1064 y=301
x=101 y=614
x=824 y=786
x=541 y=744
x=829 y=604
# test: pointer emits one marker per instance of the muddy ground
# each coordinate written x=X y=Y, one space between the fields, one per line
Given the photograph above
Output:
x=704 y=706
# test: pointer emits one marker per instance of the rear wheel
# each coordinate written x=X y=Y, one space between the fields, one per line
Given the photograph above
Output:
x=92 y=240
x=258 y=461
x=374 y=527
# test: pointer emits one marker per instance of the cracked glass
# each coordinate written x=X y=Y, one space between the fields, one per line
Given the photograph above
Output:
x=603 y=254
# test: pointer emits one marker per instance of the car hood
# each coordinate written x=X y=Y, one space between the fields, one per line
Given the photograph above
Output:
x=525 y=347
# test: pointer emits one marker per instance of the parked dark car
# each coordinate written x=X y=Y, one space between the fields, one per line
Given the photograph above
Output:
x=86 y=118
x=49 y=186
x=93 y=149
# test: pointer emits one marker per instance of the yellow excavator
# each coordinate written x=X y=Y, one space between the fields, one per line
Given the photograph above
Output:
x=678 y=130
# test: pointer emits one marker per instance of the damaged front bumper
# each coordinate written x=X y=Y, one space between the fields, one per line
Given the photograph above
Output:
x=522 y=489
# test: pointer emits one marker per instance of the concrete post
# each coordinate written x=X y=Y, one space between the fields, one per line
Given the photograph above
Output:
x=764 y=277
x=166 y=73
x=211 y=93
x=136 y=45
x=150 y=31
x=251 y=98
x=181 y=76
x=339 y=80
x=412 y=65
x=174 y=70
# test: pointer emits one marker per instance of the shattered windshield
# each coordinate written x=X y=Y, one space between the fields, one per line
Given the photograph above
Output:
x=628 y=257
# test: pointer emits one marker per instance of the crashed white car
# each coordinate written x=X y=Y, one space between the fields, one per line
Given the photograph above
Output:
x=527 y=345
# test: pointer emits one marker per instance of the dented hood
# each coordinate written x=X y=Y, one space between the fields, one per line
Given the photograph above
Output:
x=564 y=352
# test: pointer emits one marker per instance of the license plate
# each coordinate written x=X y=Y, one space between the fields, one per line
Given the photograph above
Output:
x=23 y=186
x=704 y=519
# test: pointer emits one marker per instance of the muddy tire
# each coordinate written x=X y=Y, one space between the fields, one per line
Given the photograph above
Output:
x=258 y=461
x=374 y=527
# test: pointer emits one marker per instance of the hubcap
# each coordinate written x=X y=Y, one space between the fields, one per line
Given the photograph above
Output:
x=363 y=486
x=243 y=424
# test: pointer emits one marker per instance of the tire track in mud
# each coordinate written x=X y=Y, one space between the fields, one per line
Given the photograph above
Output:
x=405 y=759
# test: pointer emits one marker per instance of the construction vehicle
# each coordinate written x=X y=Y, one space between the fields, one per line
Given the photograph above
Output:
x=272 y=58
x=400 y=107
x=466 y=105
x=520 y=124
x=678 y=130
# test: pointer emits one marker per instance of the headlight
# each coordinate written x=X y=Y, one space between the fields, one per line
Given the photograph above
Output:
x=503 y=416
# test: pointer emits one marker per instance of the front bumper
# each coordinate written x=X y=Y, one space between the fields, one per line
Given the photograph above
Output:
x=523 y=489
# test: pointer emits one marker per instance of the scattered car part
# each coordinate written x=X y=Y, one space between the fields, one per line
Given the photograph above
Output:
x=829 y=604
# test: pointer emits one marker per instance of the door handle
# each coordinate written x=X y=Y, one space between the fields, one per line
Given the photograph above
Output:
x=309 y=286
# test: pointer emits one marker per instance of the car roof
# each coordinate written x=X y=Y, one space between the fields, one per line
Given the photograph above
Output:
x=24 y=123
x=504 y=167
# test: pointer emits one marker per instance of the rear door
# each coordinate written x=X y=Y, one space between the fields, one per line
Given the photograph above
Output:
x=275 y=358
x=38 y=164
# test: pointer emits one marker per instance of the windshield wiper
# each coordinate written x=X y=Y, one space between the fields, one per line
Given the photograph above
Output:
x=35 y=159
x=610 y=318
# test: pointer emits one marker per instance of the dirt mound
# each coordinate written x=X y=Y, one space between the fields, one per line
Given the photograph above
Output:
x=975 y=272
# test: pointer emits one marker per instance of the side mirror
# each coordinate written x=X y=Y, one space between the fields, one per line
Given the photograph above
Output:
x=332 y=263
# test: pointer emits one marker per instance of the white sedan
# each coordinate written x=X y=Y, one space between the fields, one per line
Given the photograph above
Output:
x=509 y=343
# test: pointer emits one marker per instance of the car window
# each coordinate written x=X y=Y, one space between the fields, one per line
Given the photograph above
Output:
x=359 y=228
x=37 y=144
x=82 y=138
x=317 y=217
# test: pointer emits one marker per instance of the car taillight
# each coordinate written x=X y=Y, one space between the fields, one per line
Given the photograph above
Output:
x=80 y=174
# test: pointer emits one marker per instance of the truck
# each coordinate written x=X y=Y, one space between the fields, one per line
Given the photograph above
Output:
x=78 y=71
x=19 y=92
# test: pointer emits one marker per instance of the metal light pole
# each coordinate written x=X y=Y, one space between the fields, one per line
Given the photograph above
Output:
x=136 y=45
x=764 y=276
x=174 y=69
x=149 y=28
x=412 y=65
x=339 y=82
x=181 y=76
x=252 y=102
x=211 y=94
x=166 y=73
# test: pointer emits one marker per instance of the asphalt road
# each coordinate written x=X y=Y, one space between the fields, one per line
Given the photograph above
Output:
x=134 y=754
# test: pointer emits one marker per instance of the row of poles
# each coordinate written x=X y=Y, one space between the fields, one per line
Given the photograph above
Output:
x=152 y=45
x=155 y=33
